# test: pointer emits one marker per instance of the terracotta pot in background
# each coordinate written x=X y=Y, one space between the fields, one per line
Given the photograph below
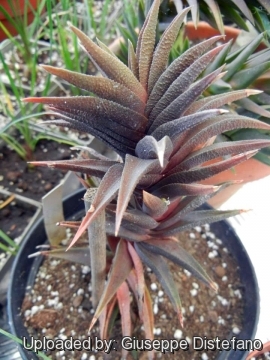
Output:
x=20 y=7
x=205 y=31
x=250 y=170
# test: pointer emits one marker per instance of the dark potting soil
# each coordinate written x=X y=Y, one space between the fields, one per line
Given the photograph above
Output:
x=34 y=182
x=59 y=304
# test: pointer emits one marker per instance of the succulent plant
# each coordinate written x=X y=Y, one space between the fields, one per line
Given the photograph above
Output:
x=247 y=66
x=216 y=12
x=155 y=117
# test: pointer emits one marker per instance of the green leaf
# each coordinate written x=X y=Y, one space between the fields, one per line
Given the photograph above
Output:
x=241 y=4
x=254 y=107
x=238 y=62
x=244 y=78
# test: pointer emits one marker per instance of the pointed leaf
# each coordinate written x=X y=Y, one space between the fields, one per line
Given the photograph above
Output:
x=220 y=59
x=162 y=51
x=182 y=102
x=106 y=318
x=189 y=203
x=96 y=109
x=219 y=149
x=106 y=132
x=173 y=251
x=132 y=61
x=133 y=171
x=183 y=81
x=241 y=4
x=160 y=268
x=105 y=48
x=147 y=43
x=110 y=65
x=103 y=87
x=176 y=127
x=148 y=320
x=238 y=62
x=121 y=267
x=201 y=173
x=150 y=148
x=139 y=278
x=194 y=11
x=169 y=192
x=123 y=298
x=153 y=205
x=201 y=133
x=79 y=255
x=175 y=69
x=138 y=217
x=245 y=78
x=198 y=218
x=216 y=101
x=107 y=191
x=87 y=166
x=213 y=6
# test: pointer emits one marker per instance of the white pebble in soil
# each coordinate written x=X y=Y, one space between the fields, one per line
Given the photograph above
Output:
x=155 y=308
x=178 y=334
x=193 y=292
x=153 y=286
x=238 y=293
x=236 y=330
x=187 y=272
x=212 y=254
x=157 y=331
x=204 y=356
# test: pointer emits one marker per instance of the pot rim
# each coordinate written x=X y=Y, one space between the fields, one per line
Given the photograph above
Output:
x=19 y=277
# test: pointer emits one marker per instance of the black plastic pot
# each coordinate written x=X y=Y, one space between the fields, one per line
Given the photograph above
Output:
x=25 y=269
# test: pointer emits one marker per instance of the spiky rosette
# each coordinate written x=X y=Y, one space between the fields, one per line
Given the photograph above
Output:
x=154 y=117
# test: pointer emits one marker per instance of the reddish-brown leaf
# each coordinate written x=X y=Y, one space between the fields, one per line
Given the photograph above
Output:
x=111 y=66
